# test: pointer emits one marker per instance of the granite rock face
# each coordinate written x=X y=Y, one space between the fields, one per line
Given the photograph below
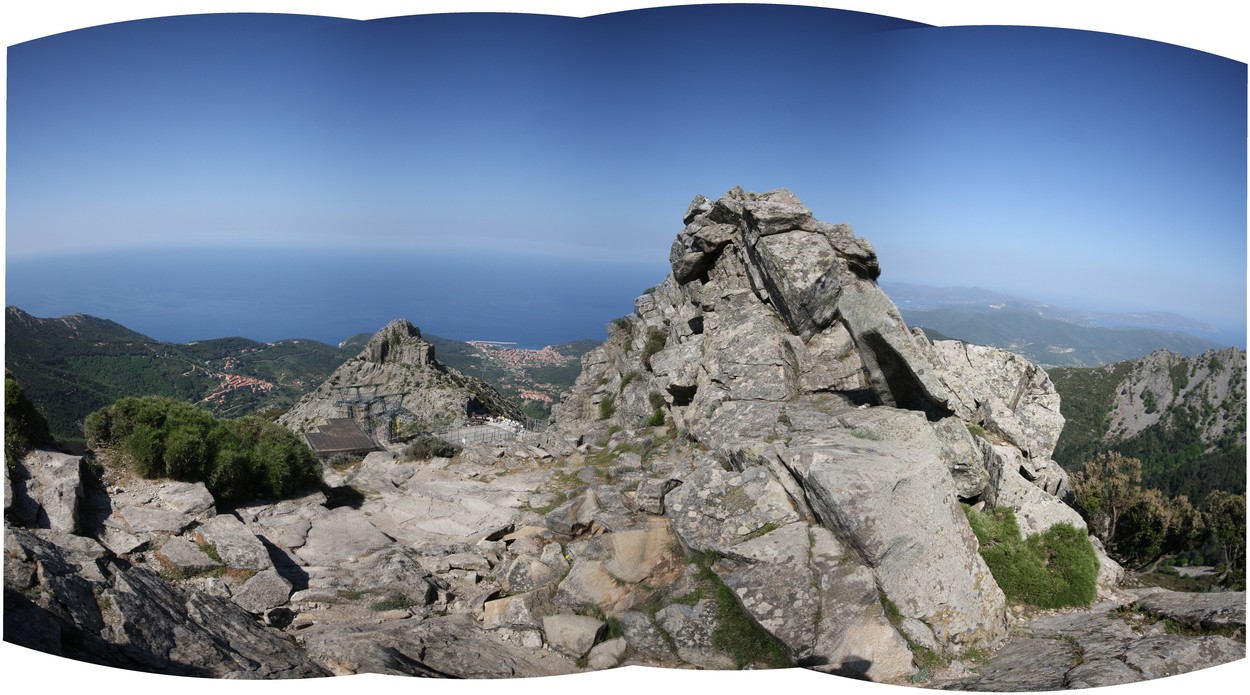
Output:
x=771 y=345
x=396 y=385
x=45 y=490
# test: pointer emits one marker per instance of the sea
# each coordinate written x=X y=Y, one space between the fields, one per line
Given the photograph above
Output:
x=186 y=294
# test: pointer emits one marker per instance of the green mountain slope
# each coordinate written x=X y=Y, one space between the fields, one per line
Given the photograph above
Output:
x=73 y=365
x=1184 y=417
x=534 y=378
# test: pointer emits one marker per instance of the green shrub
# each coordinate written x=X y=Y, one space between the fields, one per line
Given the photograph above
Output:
x=392 y=602
x=656 y=420
x=607 y=407
x=429 y=447
x=994 y=525
x=629 y=377
x=236 y=460
x=656 y=400
x=1053 y=569
x=657 y=338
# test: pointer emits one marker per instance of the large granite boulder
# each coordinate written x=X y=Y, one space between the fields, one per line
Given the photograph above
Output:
x=1003 y=392
x=46 y=491
x=880 y=484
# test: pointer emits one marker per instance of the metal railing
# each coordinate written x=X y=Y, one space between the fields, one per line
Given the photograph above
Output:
x=490 y=431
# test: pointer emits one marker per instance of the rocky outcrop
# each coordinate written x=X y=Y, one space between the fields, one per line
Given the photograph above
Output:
x=396 y=387
x=83 y=603
x=771 y=345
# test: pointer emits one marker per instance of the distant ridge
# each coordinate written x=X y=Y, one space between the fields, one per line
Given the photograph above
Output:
x=925 y=297
x=1049 y=335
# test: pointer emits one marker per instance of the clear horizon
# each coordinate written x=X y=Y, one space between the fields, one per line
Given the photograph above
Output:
x=272 y=294
x=1082 y=169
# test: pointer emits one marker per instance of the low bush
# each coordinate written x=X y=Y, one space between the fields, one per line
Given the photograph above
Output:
x=607 y=407
x=1053 y=569
x=429 y=447
x=236 y=460
x=394 y=601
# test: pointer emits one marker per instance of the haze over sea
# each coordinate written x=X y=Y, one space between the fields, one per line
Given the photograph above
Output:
x=194 y=293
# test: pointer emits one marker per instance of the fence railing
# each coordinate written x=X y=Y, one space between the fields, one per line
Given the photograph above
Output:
x=476 y=434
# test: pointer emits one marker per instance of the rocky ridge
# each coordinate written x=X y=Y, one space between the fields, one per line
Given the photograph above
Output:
x=728 y=485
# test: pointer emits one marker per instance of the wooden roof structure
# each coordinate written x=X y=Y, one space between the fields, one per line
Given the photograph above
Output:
x=339 y=436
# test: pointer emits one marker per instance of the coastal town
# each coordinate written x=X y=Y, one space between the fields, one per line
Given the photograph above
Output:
x=236 y=382
x=517 y=363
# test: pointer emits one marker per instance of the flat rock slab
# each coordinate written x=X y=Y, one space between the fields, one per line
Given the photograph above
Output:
x=1200 y=611
x=77 y=549
x=589 y=584
x=571 y=635
x=236 y=545
x=509 y=611
x=636 y=554
x=1102 y=646
x=141 y=520
x=446 y=646
x=263 y=591
x=184 y=557
x=1027 y=663
x=443 y=511
x=342 y=535
x=188 y=498
x=1170 y=655
x=691 y=628
x=643 y=635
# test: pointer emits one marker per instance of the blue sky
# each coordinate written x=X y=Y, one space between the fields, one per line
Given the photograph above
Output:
x=1089 y=169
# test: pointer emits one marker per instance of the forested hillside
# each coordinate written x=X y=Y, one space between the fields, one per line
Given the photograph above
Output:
x=73 y=365
x=1183 y=417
